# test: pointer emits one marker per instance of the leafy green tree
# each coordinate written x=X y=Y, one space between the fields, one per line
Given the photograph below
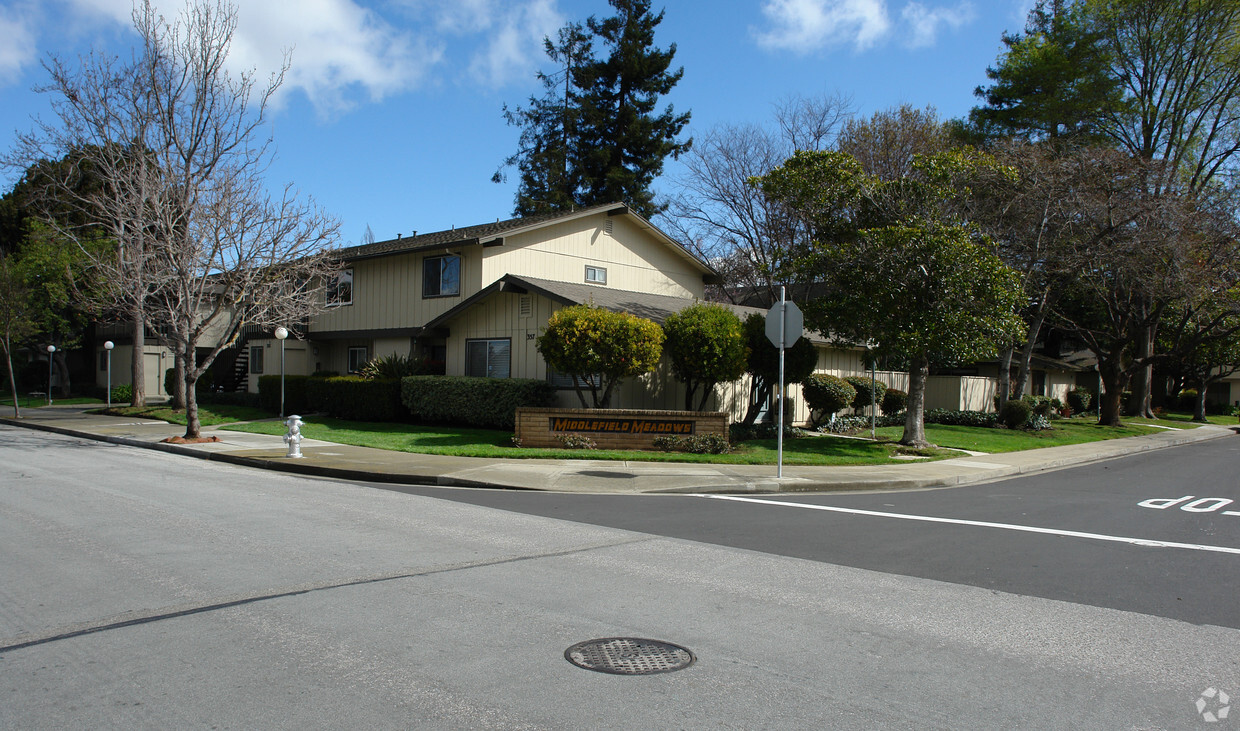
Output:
x=763 y=365
x=606 y=141
x=706 y=344
x=899 y=271
x=1052 y=81
x=599 y=348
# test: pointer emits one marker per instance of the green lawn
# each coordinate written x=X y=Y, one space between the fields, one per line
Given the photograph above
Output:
x=462 y=442
x=27 y=402
x=1063 y=431
x=208 y=415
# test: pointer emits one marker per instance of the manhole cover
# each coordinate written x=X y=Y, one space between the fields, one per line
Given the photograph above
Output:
x=629 y=656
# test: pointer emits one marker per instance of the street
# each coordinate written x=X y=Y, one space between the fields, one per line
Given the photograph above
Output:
x=149 y=590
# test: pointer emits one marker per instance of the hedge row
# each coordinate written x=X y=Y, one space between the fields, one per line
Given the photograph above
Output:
x=489 y=403
x=344 y=397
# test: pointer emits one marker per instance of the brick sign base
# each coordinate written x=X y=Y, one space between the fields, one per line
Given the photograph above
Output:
x=614 y=428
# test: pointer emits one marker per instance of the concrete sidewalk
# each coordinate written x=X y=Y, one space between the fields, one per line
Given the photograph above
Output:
x=585 y=476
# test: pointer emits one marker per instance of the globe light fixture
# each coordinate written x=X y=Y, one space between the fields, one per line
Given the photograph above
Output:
x=281 y=335
x=108 y=348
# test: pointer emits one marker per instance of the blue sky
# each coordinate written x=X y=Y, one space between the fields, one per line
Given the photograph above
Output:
x=391 y=114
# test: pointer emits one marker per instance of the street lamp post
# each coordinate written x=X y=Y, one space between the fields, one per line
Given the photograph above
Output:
x=281 y=335
x=50 y=349
x=108 y=347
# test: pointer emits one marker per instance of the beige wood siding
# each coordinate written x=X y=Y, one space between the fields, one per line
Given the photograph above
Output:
x=635 y=261
x=387 y=293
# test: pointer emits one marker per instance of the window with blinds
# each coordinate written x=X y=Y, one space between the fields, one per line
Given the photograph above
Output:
x=488 y=358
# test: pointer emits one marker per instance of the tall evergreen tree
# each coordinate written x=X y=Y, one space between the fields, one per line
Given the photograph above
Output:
x=1052 y=82
x=596 y=135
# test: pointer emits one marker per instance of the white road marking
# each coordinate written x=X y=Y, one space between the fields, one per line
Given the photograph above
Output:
x=982 y=524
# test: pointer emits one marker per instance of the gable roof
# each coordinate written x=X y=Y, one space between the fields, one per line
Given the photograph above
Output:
x=493 y=234
x=656 y=307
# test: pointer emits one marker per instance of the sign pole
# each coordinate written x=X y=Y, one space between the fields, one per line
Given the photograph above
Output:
x=779 y=443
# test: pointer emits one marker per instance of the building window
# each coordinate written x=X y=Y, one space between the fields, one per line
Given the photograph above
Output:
x=441 y=276
x=256 y=360
x=563 y=381
x=488 y=358
x=596 y=275
x=103 y=360
x=357 y=358
x=340 y=289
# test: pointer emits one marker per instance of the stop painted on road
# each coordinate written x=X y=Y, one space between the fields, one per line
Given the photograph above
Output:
x=1191 y=503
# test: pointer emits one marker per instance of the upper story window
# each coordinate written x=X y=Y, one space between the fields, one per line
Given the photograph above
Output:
x=340 y=289
x=596 y=275
x=441 y=276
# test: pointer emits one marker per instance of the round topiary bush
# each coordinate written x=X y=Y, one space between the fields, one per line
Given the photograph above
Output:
x=826 y=393
x=865 y=396
x=1016 y=413
x=893 y=402
x=1080 y=399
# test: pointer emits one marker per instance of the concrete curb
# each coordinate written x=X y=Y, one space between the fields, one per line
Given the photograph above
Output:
x=1027 y=462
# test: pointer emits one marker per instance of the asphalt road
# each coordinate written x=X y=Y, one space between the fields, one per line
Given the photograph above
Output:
x=145 y=590
x=1155 y=559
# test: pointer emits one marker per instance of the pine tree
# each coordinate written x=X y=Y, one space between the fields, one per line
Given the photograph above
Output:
x=546 y=156
x=595 y=137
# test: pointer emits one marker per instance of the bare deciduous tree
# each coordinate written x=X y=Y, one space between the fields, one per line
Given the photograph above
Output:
x=203 y=250
x=747 y=238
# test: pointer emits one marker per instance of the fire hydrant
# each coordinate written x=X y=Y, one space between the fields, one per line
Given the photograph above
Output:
x=293 y=437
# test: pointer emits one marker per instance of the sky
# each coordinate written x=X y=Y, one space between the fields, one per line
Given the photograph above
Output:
x=390 y=116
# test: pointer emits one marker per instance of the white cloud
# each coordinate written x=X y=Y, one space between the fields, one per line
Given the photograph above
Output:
x=18 y=48
x=924 y=23
x=805 y=26
x=515 y=47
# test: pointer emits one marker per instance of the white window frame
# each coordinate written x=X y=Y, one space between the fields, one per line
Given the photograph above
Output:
x=352 y=366
x=426 y=264
x=487 y=343
x=345 y=276
x=600 y=274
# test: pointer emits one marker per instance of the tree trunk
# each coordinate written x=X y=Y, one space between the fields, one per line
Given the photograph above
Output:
x=761 y=396
x=1141 y=390
x=1199 y=409
x=1005 y=378
x=8 y=359
x=707 y=390
x=137 y=373
x=178 y=382
x=1110 y=402
x=1026 y=352
x=62 y=372
x=915 y=417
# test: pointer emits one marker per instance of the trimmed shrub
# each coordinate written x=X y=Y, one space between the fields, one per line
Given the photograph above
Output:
x=949 y=417
x=204 y=384
x=122 y=394
x=1186 y=399
x=1080 y=399
x=865 y=396
x=1016 y=413
x=709 y=443
x=355 y=398
x=893 y=402
x=740 y=432
x=826 y=393
x=575 y=441
x=297 y=396
x=1039 y=405
x=488 y=403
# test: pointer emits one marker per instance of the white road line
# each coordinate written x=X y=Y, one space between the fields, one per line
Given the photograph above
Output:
x=983 y=524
